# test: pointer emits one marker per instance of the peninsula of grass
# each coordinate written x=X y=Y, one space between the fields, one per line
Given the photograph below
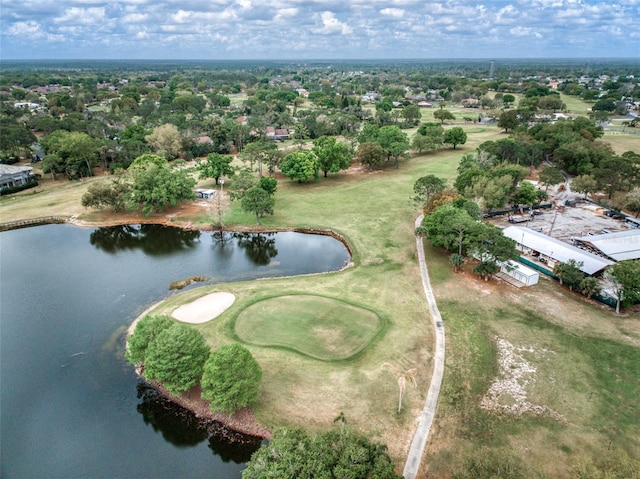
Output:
x=319 y=327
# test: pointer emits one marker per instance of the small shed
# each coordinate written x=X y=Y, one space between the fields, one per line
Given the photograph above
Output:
x=205 y=194
x=520 y=272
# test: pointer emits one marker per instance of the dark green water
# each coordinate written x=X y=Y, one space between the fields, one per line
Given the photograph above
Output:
x=71 y=406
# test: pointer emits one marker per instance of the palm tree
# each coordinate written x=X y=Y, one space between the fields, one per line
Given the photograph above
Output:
x=402 y=377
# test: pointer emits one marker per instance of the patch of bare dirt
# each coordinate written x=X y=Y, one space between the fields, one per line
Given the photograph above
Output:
x=508 y=392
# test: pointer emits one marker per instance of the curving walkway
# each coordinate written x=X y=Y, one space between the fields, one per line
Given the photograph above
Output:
x=412 y=465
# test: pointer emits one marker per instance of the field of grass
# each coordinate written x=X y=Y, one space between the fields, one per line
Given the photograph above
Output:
x=577 y=364
x=623 y=141
x=576 y=105
x=585 y=358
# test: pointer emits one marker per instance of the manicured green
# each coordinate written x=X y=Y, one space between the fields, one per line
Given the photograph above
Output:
x=320 y=327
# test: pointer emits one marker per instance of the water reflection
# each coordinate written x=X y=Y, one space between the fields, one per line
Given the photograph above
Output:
x=260 y=248
x=233 y=447
x=154 y=240
x=177 y=425
x=182 y=428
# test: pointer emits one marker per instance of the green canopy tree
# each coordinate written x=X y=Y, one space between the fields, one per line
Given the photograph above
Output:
x=215 y=166
x=231 y=378
x=487 y=243
x=332 y=155
x=301 y=165
x=509 y=120
x=394 y=141
x=526 y=194
x=268 y=184
x=143 y=335
x=111 y=193
x=443 y=115
x=447 y=227
x=333 y=454
x=585 y=184
x=569 y=273
x=147 y=159
x=14 y=138
x=155 y=187
x=429 y=137
x=241 y=183
x=551 y=176
x=258 y=201
x=625 y=276
x=492 y=191
x=632 y=201
x=176 y=358
x=455 y=136
x=165 y=140
x=370 y=154
x=262 y=152
x=78 y=150
x=426 y=186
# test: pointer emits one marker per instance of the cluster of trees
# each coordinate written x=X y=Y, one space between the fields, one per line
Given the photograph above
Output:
x=380 y=144
x=328 y=155
x=336 y=453
x=150 y=183
x=492 y=184
x=431 y=137
x=569 y=145
x=178 y=357
x=454 y=226
x=624 y=277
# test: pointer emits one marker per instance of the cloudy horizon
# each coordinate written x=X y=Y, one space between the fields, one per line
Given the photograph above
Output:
x=318 y=29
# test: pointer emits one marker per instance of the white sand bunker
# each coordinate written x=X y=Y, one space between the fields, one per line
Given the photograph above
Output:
x=204 y=309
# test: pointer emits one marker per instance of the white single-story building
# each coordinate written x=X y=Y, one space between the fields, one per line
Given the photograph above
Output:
x=618 y=246
x=550 y=251
x=14 y=175
x=520 y=272
x=206 y=194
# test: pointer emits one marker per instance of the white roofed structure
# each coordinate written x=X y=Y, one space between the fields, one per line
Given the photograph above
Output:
x=618 y=246
x=550 y=250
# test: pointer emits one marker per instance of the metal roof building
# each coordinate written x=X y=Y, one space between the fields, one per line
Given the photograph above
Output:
x=616 y=246
x=557 y=250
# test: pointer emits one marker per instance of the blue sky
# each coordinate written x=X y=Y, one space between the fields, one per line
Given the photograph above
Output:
x=318 y=29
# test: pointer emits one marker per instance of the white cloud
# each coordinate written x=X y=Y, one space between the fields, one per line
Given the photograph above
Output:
x=82 y=16
x=520 y=31
x=331 y=25
x=366 y=28
x=393 y=12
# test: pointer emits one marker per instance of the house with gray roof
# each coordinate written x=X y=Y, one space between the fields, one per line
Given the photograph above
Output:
x=11 y=175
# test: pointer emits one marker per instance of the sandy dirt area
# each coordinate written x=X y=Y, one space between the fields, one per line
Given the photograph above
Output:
x=204 y=309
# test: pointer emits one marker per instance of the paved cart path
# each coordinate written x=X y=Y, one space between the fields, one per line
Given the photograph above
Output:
x=426 y=418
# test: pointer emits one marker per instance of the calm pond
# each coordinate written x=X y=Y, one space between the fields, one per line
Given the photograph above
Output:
x=71 y=404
